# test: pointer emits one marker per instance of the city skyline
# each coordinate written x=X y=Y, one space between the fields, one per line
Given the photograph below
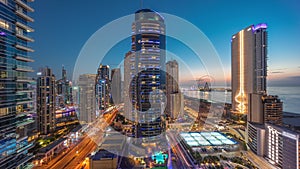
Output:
x=151 y=86
x=208 y=22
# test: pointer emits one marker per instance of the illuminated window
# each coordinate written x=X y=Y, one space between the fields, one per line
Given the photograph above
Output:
x=4 y=24
x=19 y=31
x=3 y=74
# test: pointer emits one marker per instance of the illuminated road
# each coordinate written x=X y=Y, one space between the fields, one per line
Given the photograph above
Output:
x=76 y=157
x=176 y=148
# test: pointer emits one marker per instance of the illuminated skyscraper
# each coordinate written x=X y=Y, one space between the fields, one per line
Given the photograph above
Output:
x=46 y=101
x=249 y=66
x=16 y=104
x=102 y=86
x=63 y=90
x=147 y=73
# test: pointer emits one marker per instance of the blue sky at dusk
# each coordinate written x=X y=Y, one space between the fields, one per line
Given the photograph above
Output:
x=62 y=27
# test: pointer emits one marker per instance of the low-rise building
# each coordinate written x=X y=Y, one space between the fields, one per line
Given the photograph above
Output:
x=49 y=152
x=103 y=159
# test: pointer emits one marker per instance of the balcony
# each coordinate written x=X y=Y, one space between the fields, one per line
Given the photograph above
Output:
x=25 y=122
x=24 y=79
x=24 y=48
x=26 y=17
x=29 y=39
x=22 y=90
x=27 y=28
x=24 y=68
x=24 y=5
x=24 y=59
x=24 y=113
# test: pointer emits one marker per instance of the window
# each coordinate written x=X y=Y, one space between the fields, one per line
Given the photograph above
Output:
x=19 y=31
x=4 y=24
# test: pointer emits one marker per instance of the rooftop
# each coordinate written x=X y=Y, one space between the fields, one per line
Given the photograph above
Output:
x=52 y=145
x=197 y=139
x=103 y=154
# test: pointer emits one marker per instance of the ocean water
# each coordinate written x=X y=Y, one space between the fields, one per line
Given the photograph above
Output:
x=289 y=95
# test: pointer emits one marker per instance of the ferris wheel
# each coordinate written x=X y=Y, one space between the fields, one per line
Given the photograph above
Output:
x=205 y=82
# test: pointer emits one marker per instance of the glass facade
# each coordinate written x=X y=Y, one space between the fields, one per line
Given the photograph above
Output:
x=16 y=103
x=102 y=88
x=147 y=72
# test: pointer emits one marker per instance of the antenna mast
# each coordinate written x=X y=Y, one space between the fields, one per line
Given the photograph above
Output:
x=141 y=4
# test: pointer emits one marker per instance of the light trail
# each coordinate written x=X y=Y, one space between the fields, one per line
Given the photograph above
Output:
x=240 y=97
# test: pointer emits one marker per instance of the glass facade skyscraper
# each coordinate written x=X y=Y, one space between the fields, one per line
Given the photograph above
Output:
x=147 y=70
x=102 y=86
x=16 y=104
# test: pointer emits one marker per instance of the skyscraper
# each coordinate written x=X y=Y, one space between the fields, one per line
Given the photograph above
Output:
x=147 y=70
x=63 y=90
x=16 y=104
x=87 y=100
x=129 y=60
x=102 y=87
x=249 y=66
x=46 y=101
x=173 y=106
x=116 y=85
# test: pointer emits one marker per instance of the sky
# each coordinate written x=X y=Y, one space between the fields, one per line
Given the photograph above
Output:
x=62 y=27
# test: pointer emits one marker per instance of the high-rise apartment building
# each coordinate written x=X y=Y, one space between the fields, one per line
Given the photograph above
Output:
x=116 y=86
x=46 y=101
x=282 y=147
x=174 y=97
x=102 y=87
x=63 y=90
x=16 y=103
x=147 y=73
x=87 y=98
x=249 y=66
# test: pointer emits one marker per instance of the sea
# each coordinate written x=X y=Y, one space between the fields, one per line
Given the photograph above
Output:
x=290 y=96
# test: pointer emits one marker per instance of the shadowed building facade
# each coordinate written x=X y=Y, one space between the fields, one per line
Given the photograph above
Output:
x=46 y=101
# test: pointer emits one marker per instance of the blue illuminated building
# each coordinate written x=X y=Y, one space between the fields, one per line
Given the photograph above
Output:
x=147 y=73
x=102 y=88
x=16 y=103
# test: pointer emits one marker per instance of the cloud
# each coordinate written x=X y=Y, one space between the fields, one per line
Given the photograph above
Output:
x=281 y=69
x=276 y=72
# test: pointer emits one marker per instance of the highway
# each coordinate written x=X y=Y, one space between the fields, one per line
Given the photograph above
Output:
x=186 y=161
x=75 y=157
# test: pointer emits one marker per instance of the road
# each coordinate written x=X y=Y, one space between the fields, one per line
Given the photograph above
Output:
x=75 y=158
x=258 y=161
x=186 y=161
